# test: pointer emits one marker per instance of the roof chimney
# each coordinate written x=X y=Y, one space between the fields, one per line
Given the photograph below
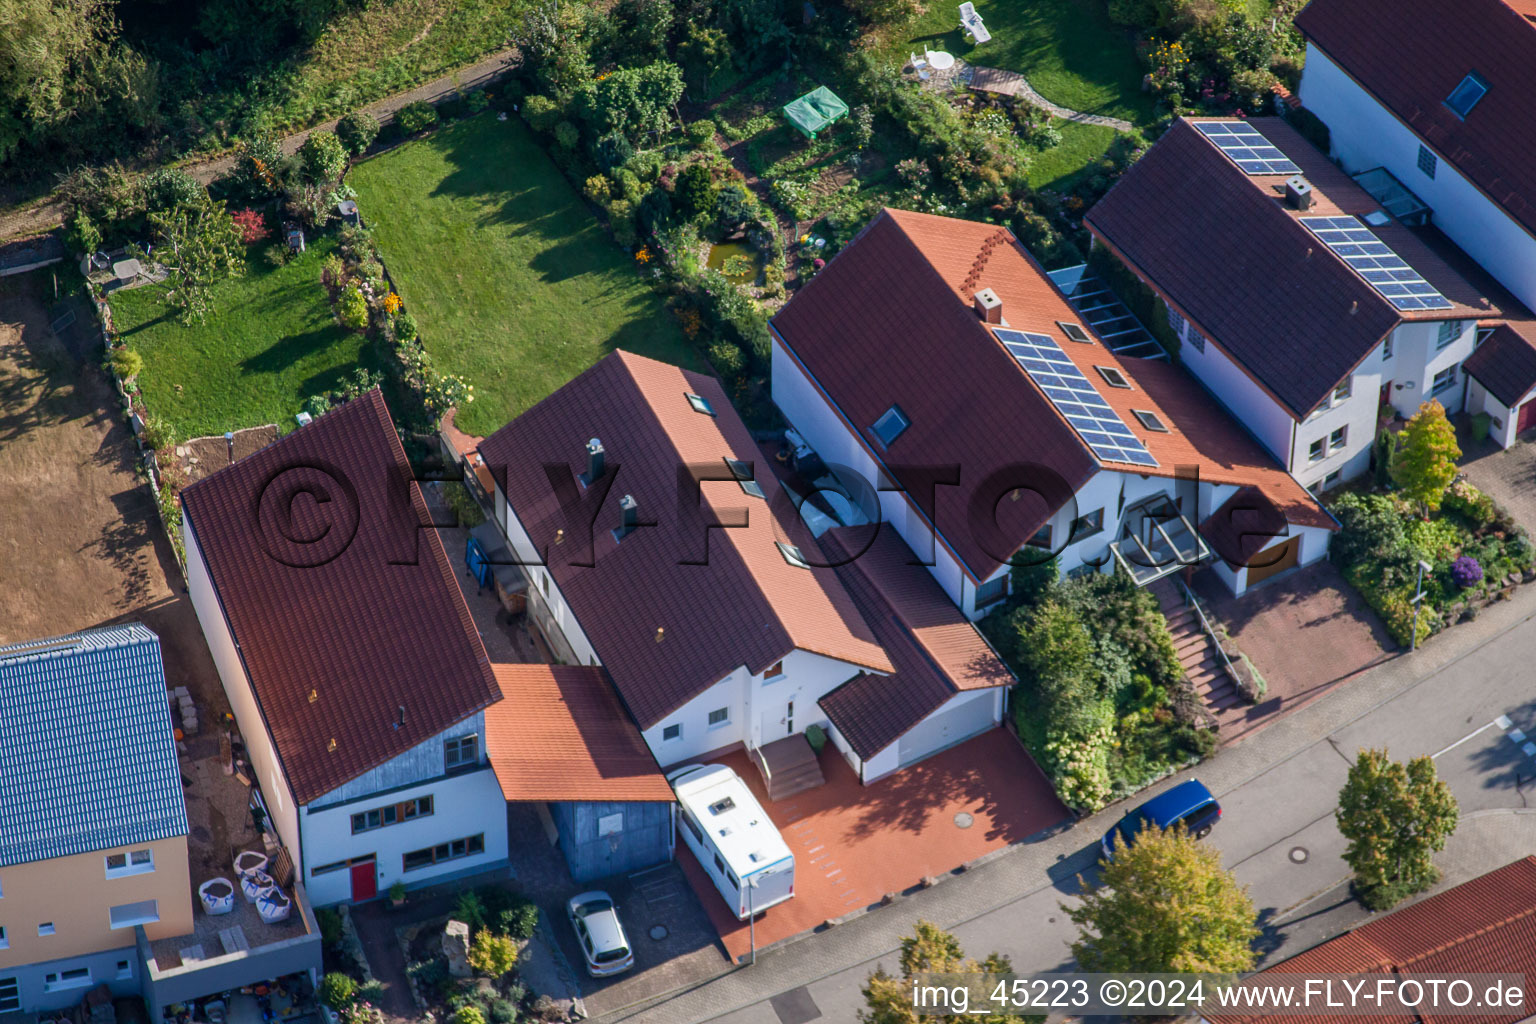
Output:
x=1298 y=192
x=630 y=510
x=989 y=307
x=595 y=463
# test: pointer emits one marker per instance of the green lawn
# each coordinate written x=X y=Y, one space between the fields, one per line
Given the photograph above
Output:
x=510 y=278
x=1068 y=49
x=271 y=343
x=1081 y=144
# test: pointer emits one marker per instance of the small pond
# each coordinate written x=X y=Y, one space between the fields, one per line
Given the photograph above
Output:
x=738 y=261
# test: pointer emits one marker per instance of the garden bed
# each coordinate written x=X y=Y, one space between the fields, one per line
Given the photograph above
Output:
x=1102 y=702
x=1475 y=551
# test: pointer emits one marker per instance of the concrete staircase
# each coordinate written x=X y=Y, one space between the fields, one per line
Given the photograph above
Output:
x=1197 y=653
x=788 y=766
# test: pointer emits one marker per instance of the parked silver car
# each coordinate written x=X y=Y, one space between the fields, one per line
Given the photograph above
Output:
x=602 y=938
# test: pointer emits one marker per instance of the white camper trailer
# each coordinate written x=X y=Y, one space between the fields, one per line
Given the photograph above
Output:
x=738 y=847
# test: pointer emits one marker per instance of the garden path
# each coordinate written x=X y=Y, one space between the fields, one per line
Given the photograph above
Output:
x=1011 y=83
x=47 y=214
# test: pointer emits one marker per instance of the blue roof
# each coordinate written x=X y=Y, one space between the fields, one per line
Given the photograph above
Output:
x=87 y=758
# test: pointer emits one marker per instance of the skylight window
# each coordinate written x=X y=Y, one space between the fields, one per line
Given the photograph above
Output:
x=890 y=425
x=1149 y=419
x=1113 y=377
x=1074 y=332
x=1465 y=96
x=700 y=404
x=792 y=555
x=742 y=471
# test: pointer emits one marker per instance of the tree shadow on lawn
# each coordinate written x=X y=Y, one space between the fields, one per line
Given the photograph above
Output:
x=290 y=350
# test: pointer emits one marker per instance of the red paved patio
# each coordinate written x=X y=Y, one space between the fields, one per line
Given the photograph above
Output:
x=1306 y=632
x=853 y=844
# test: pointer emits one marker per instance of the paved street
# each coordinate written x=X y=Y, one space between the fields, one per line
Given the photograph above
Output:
x=1461 y=697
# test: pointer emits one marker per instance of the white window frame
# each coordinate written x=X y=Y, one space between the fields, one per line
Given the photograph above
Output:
x=1332 y=478
x=10 y=994
x=5 y=943
x=124 y=970
x=46 y=928
x=454 y=758
x=724 y=719
x=1386 y=349
x=135 y=862
x=1317 y=451
x=1339 y=439
x=1450 y=381
x=1342 y=391
x=1450 y=331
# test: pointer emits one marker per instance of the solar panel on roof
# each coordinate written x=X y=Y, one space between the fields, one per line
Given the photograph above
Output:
x=1100 y=427
x=1247 y=147
x=1375 y=261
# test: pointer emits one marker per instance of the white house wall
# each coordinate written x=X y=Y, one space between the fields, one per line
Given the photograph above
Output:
x=1365 y=135
x=1502 y=419
x=1313 y=547
x=463 y=805
x=554 y=614
x=751 y=701
x=1248 y=403
x=242 y=700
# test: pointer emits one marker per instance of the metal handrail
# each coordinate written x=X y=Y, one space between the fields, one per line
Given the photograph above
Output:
x=1189 y=596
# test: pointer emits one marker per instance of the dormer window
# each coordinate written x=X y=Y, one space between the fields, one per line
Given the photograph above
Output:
x=1465 y=96
x=890 y=425
x=742 y=471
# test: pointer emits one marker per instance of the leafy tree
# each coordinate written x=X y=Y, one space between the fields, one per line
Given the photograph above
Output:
x=931 y=949
x=170 y=187
x=337 y=990
x=632 y=101
x=1395 y=817
x=733 y=206
x=1426 y=461
x=323 y=157
x=693 y=190
x=1165 y=904
x=352 y=309
x=199 y=245
x=612 y=150
x=703 y=54
x=759 y=29
x=1373 y=528
x=357 y=131
x=1056 y=651
x=646 y=25
x=492 y=955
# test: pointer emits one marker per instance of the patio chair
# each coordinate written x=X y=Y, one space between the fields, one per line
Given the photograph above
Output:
x=918 y=63
x=218 y=896
x=252 y=883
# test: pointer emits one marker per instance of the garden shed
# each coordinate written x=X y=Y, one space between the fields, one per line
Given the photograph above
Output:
x=816 y=110
x=560 y=737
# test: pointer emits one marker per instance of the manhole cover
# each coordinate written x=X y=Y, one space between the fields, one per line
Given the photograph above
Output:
x=964 y=820
x=1299 y=855
x=658 y=932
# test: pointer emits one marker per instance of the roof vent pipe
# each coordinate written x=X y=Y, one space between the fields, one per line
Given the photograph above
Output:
x=629 y=511
x=988 y=306
x=1298 y=192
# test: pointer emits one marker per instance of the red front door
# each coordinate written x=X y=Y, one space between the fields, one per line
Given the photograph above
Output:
x=1386 y=394
x=365 y=881
x=1527 y=418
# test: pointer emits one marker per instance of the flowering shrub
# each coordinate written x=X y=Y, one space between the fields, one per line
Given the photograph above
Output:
x=795 y=197
x=1466 y=571
x=691 y=321
x=362 y=1012
x=392 y=303
x=251 y=225
x=1080 y=767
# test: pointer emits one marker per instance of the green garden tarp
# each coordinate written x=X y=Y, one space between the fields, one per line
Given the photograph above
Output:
x=815 y=110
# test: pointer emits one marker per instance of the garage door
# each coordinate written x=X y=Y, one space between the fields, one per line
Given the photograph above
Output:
x=1275 y=560
x=960 y=719
x=1527 y=418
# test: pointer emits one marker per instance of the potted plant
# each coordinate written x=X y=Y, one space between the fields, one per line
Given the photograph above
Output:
x=397 y=894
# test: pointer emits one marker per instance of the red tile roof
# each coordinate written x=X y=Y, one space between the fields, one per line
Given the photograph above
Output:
x=1410 y=55
x=340 y=597
x=560 y=733
x=666 y=629
x=890 y=320
x=1228 y=253
x=1505 y=363
x=1485 y=926
x=936 y=651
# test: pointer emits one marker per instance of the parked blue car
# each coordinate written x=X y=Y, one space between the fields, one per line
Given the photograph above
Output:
x=1188 y=803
